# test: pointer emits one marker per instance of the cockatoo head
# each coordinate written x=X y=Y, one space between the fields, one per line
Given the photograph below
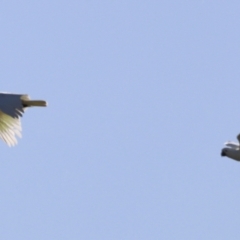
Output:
x=231 y=153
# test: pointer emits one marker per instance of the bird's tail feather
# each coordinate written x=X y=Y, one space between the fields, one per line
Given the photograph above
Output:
x=34 y=103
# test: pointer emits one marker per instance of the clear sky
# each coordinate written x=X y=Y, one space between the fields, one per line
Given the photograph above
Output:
x=142 y=95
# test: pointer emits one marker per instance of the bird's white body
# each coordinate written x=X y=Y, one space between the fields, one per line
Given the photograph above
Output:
x=232 y=150
x=12 y=107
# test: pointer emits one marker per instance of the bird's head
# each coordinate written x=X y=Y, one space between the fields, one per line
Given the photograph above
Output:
x=224 y=152
x=231 y=153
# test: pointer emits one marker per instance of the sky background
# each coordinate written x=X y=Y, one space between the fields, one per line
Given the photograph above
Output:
x=142 y=95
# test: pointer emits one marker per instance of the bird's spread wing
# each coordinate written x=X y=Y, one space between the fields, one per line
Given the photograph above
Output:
x=232 y=145
x=11 y=104
x=12 y=107
x=9 y=129
x=238 y=138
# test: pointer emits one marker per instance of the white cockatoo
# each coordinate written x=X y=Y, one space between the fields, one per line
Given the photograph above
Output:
x=12 y=107
x=232 y=149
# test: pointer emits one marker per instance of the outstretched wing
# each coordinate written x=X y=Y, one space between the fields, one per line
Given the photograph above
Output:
x=238 y=138
x=11 y=104
x=11 y=109
x=232 y=145
x=9 y=129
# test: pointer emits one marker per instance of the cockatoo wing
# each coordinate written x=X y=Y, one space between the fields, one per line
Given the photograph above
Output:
x=232 y=145
x=11 y=104
x=238 y=138
x=9 y=129
x=12 y=107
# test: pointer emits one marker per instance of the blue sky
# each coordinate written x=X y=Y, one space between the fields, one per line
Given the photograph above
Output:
x=142 y=95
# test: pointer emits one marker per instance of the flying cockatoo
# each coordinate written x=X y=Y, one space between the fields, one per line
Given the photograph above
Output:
x=232 y=149
x=12 y=107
